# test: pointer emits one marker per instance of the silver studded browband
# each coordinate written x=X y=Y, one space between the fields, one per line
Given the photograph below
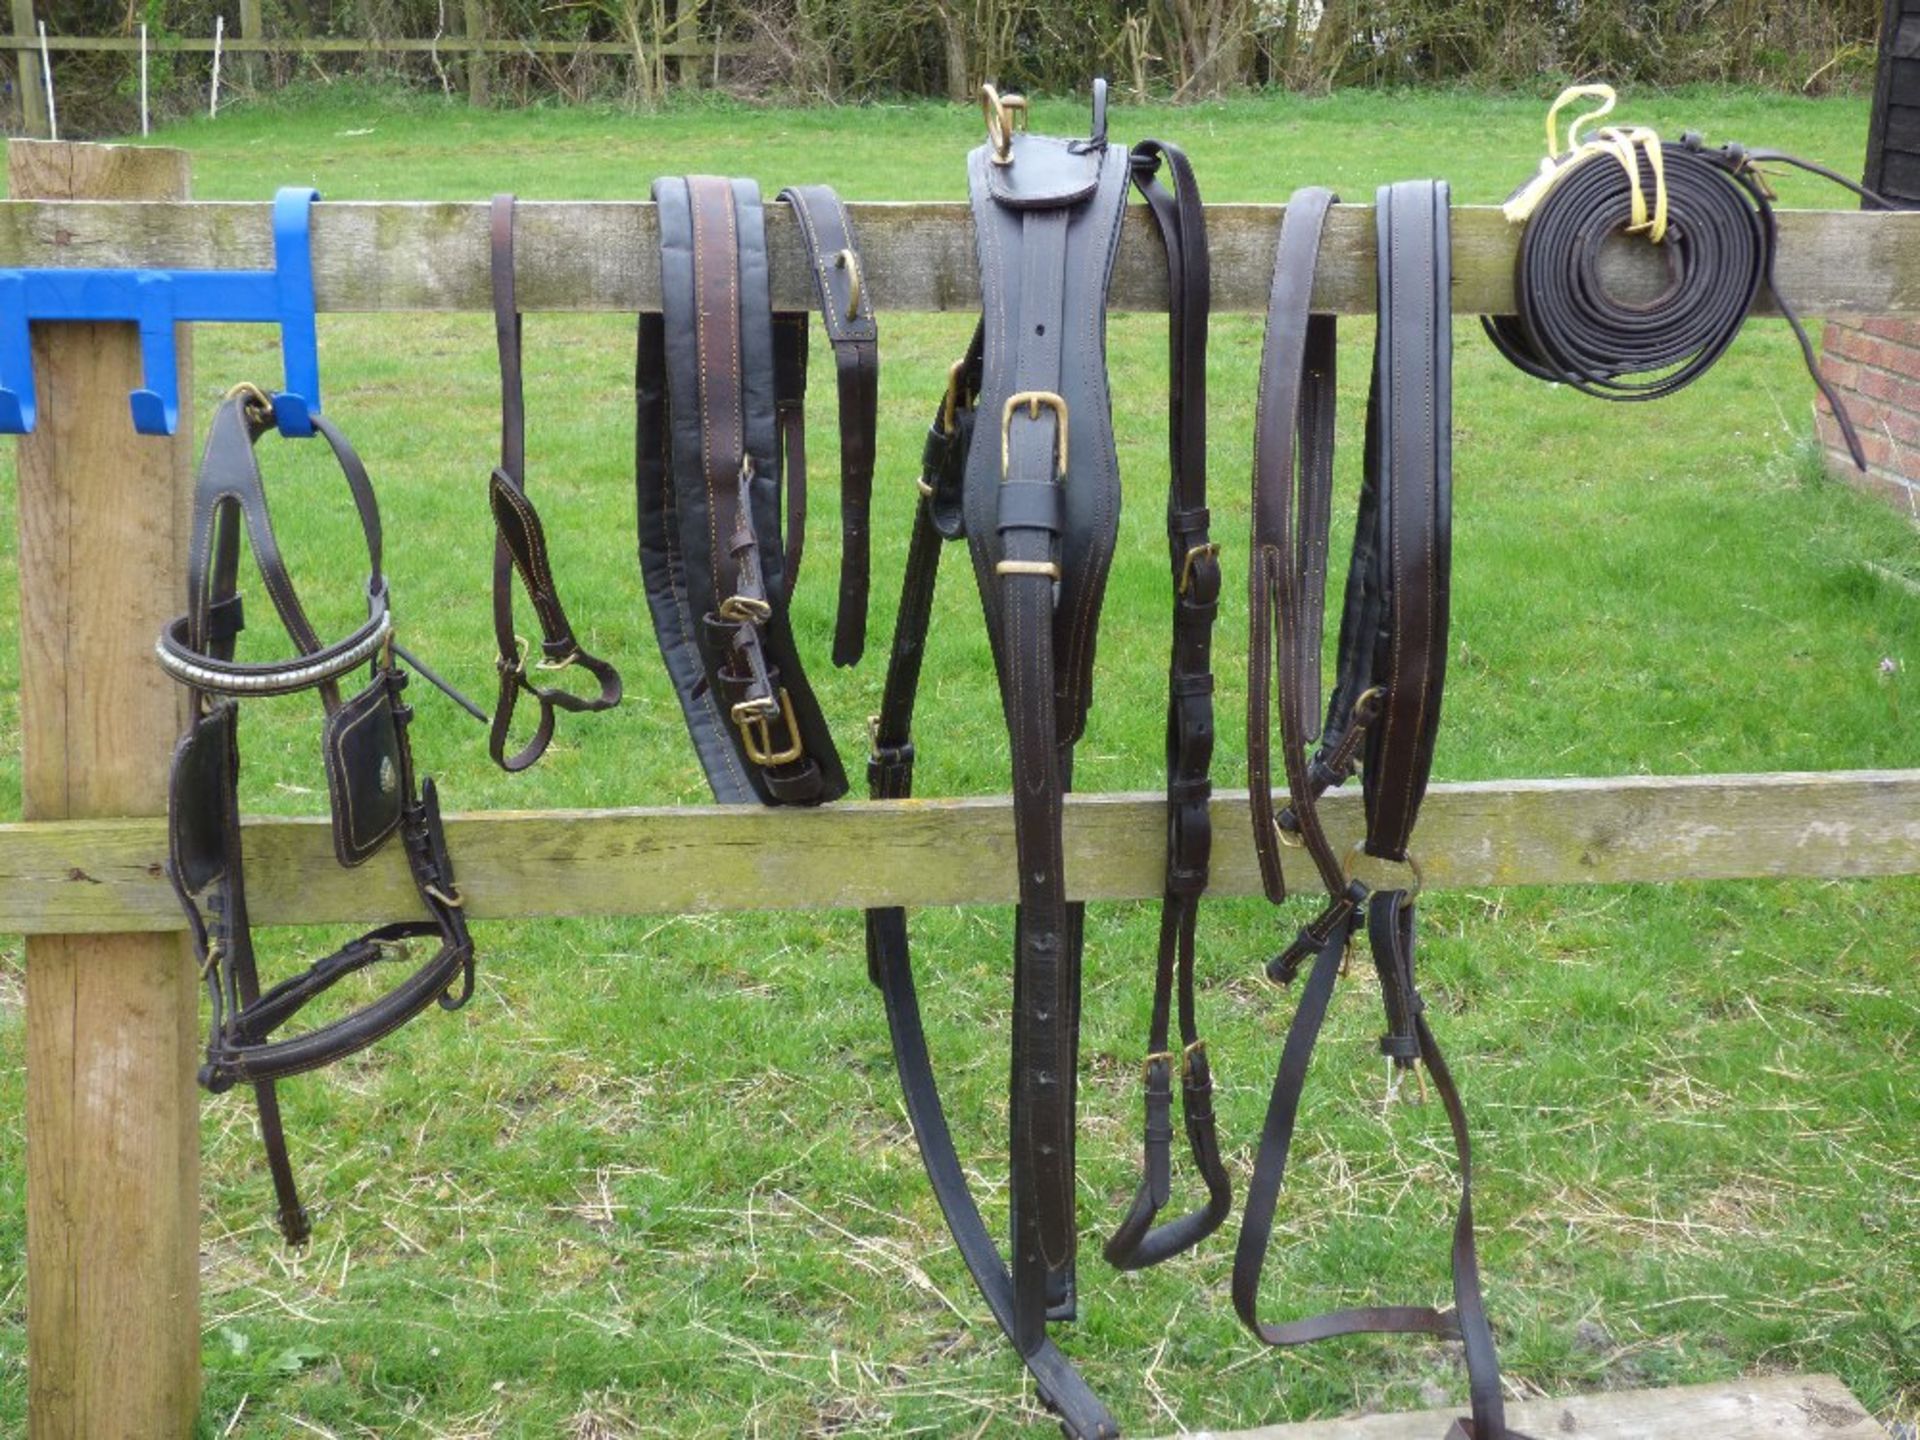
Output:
x=205 y=674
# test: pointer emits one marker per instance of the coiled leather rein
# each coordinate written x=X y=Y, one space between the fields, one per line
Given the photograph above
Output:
x=1721 y=238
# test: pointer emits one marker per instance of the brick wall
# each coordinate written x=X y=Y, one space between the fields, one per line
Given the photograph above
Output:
x=1875 y=366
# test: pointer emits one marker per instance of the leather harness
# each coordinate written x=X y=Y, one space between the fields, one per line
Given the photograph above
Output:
x=371 y=788
x=520 y=546
x=1036 y=495
x=1385 y=707
x=720 y=383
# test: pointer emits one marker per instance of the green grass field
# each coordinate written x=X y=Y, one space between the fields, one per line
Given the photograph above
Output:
x=657 y=1179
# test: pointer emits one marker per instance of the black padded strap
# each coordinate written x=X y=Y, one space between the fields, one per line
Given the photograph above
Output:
x=708 y=389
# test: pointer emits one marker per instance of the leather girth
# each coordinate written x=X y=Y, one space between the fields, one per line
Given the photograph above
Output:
x=371 y=788
x=520 y=546
x=1019 y=461
x=1385 y=707
x=719 y=384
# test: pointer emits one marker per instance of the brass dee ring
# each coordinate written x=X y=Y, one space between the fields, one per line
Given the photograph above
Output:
x=253 y=399
x=850 y=262
x=1000 y=112
x=1358 y=852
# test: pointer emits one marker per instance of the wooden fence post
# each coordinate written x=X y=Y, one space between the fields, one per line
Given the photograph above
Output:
x=479 y=65
x=113 y=1138
x=247 y=62
x=26 y=73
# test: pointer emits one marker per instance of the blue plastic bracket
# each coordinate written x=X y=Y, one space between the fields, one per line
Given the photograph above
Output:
x=156 y=301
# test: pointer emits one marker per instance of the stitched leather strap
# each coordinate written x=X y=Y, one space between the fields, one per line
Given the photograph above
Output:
x=520 y=546
x=708 y=388
x=846 y=312
x=1019 y=461
x=1385 y=707
x=1138 y=1242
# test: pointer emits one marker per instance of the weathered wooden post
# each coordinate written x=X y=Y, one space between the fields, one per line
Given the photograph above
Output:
x=27 y=77
x=479 y=67
x=247 y=63
x=113 y=1139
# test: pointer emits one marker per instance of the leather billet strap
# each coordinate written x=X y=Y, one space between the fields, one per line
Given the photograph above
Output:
x=1139 y=1242
x=846 y=312
x=371 y=785
x=1385 y=705
x=707 y=474
x=520 y=545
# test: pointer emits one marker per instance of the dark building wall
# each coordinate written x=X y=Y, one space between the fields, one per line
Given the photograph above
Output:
x=1893 y=140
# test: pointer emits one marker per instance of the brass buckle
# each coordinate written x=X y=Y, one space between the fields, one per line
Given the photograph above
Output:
x=850 y=262
x=1000 y=111
x=560 y=664
x=745 y=610
x=754 y=717
x=1208 y=551
x=1198 y=1047
x=453 y=899
x=1033 y=400
x=518 y=664
x=1291 y=839
x=1157 y=1057
x=1358 y=851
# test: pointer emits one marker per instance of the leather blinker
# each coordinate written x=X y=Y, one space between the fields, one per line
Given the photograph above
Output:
x=364 y=780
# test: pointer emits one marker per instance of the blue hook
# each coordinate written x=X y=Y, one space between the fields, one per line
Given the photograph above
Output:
x=156 y=301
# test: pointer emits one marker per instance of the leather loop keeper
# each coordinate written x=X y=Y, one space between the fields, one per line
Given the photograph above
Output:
x=1032 y=505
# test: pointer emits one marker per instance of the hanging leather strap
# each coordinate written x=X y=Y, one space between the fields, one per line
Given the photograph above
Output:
x=1384 y=710
x=520 y=546
x=846 y=312
x=1138 y=1242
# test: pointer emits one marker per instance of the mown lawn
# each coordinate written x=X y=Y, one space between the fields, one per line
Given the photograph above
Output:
x=657 y=1180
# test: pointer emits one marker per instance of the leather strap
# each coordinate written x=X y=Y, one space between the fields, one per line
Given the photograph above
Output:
x=708 y=388
x=520 y=546
x=1138 y=1242
x=1384 y=711
x=889 y=955
x=370 y=774
x=846 y=312
x=1019 y=461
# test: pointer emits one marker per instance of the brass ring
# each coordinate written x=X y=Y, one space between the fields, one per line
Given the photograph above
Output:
x=1358 y=849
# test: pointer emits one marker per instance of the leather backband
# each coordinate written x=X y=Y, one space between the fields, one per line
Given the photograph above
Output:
x=718 y=384
x=371 y=786
x=520 y=547
x=1019 y=461
x=1385 y=706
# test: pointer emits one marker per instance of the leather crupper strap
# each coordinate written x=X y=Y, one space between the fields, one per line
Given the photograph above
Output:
x=846 y=311
x=371 y=788
x=1020 y=461
x=1138 y=1242
x=520 y=545
x=716 y=405
x=1385 y=706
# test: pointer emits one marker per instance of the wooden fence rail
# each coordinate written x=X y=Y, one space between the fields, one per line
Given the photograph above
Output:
x=112 y=1007
x=601 y=255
